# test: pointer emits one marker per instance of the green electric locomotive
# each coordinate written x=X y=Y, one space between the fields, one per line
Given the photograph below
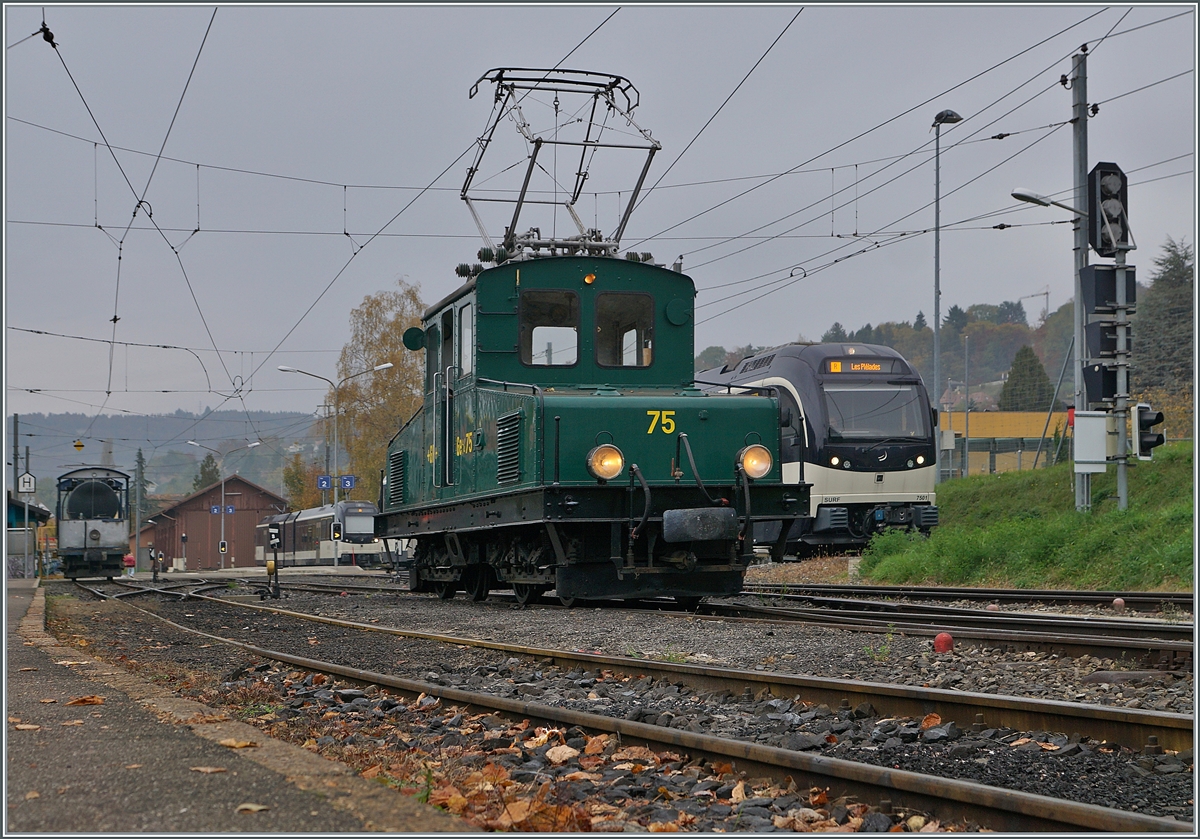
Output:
x=563 y=445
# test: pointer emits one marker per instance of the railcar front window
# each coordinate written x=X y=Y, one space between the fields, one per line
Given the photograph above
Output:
x=624 y=329
x=360 y=525
x=549 y=328
x=871 y=411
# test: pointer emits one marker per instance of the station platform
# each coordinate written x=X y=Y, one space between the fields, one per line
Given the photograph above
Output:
x=147 y=761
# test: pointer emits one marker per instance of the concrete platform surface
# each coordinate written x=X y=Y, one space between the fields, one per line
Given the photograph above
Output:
x=143 y=761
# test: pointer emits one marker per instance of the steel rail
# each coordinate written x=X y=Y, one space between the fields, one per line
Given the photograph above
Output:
x=1169 y=655
x=1134 y=600
x=1026 y=621
x=947 y=799
x=1130 y=727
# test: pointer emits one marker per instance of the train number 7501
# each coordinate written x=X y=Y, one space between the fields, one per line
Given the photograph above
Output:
x=665 y=420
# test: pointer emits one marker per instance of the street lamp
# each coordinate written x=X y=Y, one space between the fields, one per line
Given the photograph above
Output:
x=943 y=117
x=1083 y=491
x=336 y=407
x=221 y=467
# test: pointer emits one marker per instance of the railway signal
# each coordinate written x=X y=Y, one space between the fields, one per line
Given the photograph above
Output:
x=223 y=546
x=1145 y=439
x=1108 y=210
x=335 y=531
x=273 y=535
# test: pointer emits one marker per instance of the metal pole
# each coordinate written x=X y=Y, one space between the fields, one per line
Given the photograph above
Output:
x=336 y=477
x=222 y=513
x=137 y=510
x=1053 y=401
x=1079 y=115
x=1122 y=395
x=967 y=412
x=937 y=267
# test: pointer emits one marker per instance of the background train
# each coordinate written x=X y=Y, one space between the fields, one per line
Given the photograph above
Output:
x=93 y=522
x=860 y=429
x=562 y=445
x=342 y=534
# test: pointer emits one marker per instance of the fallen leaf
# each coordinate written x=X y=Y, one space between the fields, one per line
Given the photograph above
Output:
x=233 y=743
x=595 y=745
x=27 y=669
x=930 y=721
x=47 y=701
x=1021 y=741
x=1048 y=747
x=27 y=726
x=90 y=699
x=372 y=771
x=663 y=827
x=313 y=642
x=133 y=766
x=251 y=808
x=561 y=754
x=207 y=770
x=72 y=722
x=739 y=792
x=635 y=753
x=14 y=719
x=32 y=794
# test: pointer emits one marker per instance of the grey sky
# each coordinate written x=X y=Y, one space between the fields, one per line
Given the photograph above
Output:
x=355 y=109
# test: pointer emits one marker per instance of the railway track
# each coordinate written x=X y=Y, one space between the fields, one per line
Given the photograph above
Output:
x=1162 y=645
x=998 y=809
x=1140 y=601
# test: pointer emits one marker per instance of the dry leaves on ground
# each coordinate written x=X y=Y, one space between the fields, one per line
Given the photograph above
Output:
x=90 y=699
x=208 y=770
x=234 y=743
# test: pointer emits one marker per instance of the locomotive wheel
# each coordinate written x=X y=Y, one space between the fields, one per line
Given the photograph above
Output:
x=567 y=601
x=479 y=583
x=445 y=590
x=526 y=593
x=689 y=603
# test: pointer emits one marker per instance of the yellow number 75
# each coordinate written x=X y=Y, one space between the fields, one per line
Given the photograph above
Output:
x=667 y=425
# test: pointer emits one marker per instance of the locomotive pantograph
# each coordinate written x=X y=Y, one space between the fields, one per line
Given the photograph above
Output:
x=562 y=443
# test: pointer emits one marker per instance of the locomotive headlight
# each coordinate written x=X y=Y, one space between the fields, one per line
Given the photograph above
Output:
x=605 y=462
x=755 y=460
x=920 y=460
x=835 y=460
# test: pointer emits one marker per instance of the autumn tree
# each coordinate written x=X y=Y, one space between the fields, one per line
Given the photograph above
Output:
x=1028 y=387
x=710 y=358
x=300 y=483
x=374 y=406
x=208 y=475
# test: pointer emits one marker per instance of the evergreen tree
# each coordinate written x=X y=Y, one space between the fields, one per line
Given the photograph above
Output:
x=208 y=475
x=835 y=334
x=919 y=323
x=141 y=484
x=1163 y=340
x=1028 y=387
x=956 y=319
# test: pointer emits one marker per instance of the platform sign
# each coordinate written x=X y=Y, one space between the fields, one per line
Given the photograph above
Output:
x=230 y=509
x=26 y=484
x=324 y=482
x=215 y=509
x=346 y=482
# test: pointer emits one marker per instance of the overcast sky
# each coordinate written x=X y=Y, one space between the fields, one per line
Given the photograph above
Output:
x=301 y=125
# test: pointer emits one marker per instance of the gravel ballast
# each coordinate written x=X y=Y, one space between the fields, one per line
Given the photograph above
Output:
x=1061 y=764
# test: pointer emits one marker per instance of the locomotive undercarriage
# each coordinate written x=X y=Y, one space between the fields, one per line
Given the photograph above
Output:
x=571 y=549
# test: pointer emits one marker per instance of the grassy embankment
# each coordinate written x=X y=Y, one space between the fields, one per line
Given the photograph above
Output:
x=1021 y=530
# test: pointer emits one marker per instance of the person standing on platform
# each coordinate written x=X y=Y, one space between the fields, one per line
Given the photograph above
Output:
x=130 y=565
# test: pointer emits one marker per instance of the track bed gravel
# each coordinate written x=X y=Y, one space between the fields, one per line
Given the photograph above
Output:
x=1054 y=763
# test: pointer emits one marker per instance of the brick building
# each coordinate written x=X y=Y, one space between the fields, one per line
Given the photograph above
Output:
x=199 y=515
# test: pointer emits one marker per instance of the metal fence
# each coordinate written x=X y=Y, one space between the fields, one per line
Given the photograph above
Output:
x=989 y=455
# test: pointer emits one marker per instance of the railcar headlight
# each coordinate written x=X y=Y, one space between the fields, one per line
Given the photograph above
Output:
x=835 y=460
x=920 y=460
x=755 y=460
x=605 y=462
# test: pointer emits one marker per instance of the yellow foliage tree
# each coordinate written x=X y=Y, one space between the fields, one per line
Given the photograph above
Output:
x=300 y=483
x=374 y=406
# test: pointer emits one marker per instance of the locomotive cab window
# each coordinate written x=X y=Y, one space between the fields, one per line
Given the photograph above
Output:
x=549 y=328
x=466 y=340
x=624 y=329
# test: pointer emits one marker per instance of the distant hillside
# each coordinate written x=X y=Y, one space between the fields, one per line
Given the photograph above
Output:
x=171 y=463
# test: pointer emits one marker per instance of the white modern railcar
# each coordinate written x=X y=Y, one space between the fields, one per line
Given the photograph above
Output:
x=858 y=425
x=336 y=534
